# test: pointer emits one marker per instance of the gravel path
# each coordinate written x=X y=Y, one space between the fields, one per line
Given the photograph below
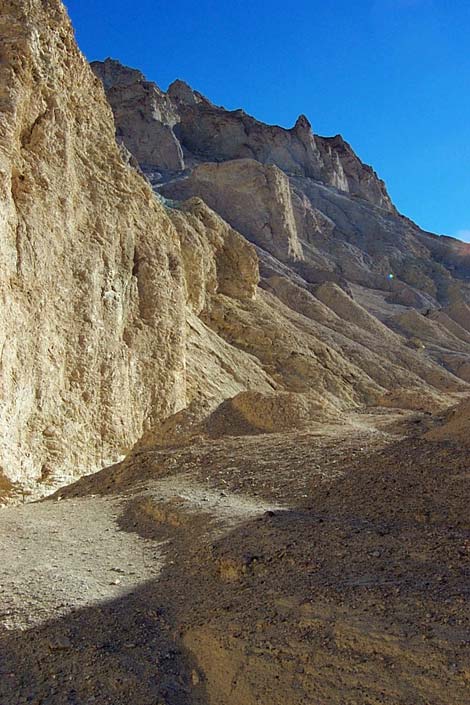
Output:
x=58 y=556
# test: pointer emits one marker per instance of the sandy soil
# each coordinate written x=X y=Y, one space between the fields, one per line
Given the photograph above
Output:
x=329 y=569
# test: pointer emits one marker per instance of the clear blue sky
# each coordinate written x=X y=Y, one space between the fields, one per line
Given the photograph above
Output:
x=392 y=76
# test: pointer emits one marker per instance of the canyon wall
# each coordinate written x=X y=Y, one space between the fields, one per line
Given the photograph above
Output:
x=92 y=288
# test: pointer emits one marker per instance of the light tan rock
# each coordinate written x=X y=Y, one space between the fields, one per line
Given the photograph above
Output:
x=159 y=308
x=347 y=226
x=219 y=135
x=415 y=399
x=254 y=412
x=349 y=310
x=92 y=288
x=344 y=170
x=444 y=320
x=217 y=370
x=248 y=413
x=216 y=258
x=255 y=199
x=346 y=327
x=207 y=132
x=290 y=351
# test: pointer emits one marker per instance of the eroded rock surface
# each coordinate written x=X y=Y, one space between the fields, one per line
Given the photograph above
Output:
x=159 y=306
x=345 y=221
x=292 y=526
x=255 y=199
x=207 y=132
x=92 y=317
x=144 y=116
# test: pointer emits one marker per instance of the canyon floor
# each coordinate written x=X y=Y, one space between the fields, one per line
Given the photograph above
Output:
x=284 y=568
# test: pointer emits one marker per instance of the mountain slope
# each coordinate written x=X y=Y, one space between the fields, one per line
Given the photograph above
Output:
x=272 y=536
x=338 y=261
x=158 y=308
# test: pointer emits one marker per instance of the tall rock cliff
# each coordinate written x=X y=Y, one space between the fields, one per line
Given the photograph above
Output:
x=207 y=132
x=346 y=227
x=91 y=281
x=124 y=305
x=326 y=234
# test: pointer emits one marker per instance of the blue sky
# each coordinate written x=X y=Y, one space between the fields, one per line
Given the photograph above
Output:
x=392 y=76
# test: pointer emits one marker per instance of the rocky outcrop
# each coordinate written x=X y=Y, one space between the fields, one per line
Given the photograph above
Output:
x=144 y=116
x=248 y=413
x=207 y=132
x=255 y=199
x=347 y=229
x=92 y=287
x=344 y=170
x=162 y=304
x=216 y=258
x=214 y=134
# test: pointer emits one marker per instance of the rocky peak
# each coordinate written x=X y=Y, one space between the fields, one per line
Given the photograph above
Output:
x=206 y=132
x=181 y=93
x=348 y=173
x=112 y=73
x=144 y=116
x=302 y=124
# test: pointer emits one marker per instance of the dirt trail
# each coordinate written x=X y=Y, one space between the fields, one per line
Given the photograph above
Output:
x=60 y=556
x=82 y=617
x=291 y=568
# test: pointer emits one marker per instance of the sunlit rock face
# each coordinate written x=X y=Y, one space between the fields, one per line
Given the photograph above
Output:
x=207 y=132
x=254 y=198
x=123 y=305
x=144 y=115
x=92 y=315
x=331 y=246
x=346 y=227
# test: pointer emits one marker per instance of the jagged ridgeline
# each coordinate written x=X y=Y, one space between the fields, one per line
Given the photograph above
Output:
x=265 y=261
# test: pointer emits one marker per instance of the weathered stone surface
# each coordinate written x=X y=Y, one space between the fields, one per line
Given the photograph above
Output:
x=254 y=198
x=346 y=228
x=156 y=307
x=92 y=290
x=143 y=114
x=216 y=258
x=345 y=171
x=214 y=134
x=207 y=132
x=247 y=413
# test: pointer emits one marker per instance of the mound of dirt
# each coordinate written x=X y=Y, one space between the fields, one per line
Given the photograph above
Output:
x=415 y=399
x=249 y=413
x=257 y=412
x=454 y=426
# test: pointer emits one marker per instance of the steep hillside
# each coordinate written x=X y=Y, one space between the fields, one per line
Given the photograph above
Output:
x=274 y=349
x=338 y=265
x=336 y=214
x=92 y=316
x=120 y=311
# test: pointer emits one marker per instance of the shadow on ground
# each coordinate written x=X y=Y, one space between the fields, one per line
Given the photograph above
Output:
x=360 y=598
